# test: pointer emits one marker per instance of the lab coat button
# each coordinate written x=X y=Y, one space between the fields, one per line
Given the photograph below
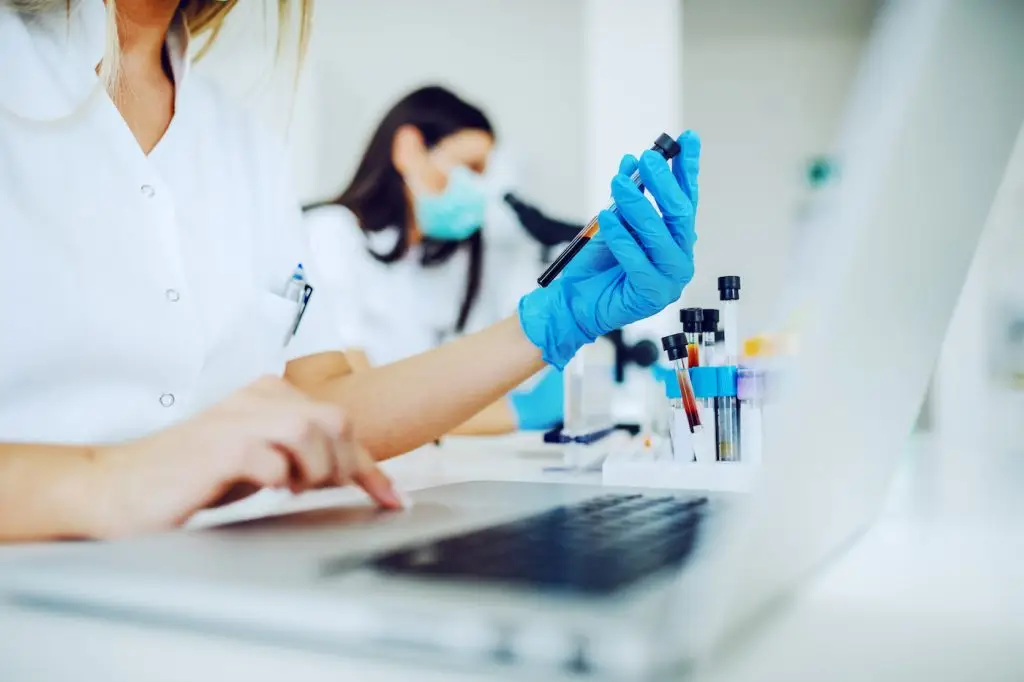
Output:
x=172 y=295
x=147 y=191
x=167 y=400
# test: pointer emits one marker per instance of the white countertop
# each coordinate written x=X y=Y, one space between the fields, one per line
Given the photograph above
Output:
x=919 y=598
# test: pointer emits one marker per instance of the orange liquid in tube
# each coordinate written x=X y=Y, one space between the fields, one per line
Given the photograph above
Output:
x=689 y=399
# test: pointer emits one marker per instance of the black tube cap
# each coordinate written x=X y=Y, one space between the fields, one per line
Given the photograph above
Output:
x=729 y=288
x=710 y=320
x=692 y=319
x=675 y=346
x=720 y=336
x=666 y=146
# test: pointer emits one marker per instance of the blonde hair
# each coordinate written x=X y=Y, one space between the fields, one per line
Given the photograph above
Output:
x=203 y=18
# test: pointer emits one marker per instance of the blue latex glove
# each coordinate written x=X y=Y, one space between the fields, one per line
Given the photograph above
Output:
x=624 y=274
x=540 y=408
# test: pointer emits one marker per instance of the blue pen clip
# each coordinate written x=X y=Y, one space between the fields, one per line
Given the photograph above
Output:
x=307 y=293
x=299 y=291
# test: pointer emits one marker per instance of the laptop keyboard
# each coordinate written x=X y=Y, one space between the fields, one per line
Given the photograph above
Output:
x=595 y=547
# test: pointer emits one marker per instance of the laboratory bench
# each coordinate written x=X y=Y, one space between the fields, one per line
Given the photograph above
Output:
x=921 y=597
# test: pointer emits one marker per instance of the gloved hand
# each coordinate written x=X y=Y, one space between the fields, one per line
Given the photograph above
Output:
x=624 y=274
x=539 y=408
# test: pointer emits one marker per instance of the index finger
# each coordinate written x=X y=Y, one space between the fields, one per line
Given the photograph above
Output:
x=628 y=165
x=660 y=182
x=372 y=480
x=686 y=166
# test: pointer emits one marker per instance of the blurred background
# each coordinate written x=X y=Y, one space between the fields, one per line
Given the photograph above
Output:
x=570 y=91
x=572 y=85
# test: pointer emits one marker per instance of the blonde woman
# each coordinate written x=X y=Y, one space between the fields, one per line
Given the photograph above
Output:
x=162 y=351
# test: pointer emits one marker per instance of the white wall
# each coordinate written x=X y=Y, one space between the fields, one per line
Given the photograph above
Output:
x=764 y=84
x=633 y=86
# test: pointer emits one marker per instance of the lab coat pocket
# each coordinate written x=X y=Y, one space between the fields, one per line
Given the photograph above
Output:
x=278 y=314
x=267 y=330
x=254 y=343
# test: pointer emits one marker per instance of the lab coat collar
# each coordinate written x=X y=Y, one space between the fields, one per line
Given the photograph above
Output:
x=382 y=242
x=82 y=31
x=50 y=60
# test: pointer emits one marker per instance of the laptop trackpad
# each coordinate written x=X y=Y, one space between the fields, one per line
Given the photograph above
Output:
x=335 y=517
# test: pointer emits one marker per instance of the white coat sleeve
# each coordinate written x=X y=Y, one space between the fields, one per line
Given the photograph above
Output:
x=510 y=267
x=338 y=250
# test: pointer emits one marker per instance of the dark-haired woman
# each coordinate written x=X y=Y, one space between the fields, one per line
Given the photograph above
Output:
x=401 y=250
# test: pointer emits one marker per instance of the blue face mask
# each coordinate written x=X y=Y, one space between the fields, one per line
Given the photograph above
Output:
x=457 y=212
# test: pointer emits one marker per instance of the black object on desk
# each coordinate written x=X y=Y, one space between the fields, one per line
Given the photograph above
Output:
x=556 y=436
x=643 y=354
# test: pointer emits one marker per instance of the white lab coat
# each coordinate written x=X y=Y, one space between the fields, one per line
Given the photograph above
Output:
x=135 y=290
x=393 y=311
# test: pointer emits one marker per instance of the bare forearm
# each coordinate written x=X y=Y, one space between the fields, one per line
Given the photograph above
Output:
x=400 y=407
x=494 y=420
x=45 y=492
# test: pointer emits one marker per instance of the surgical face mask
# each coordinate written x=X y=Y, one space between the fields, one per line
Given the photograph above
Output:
x=457 y=212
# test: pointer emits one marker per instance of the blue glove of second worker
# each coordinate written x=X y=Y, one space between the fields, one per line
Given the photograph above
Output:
x=540 y=407
x=625 y=274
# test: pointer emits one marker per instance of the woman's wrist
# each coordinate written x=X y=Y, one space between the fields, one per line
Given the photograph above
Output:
x=70 y=497
x=96 y=495
x=547 y=321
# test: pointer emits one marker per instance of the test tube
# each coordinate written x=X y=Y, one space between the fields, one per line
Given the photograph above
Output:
x=680 y=438
x=729 y=294
x=705 y=389
x=675 y=346
x=665 y=146
x=660 y=419
x=693 y=326
x=750 y=392
x=707 y=339
x=574 y=420
x=727 y=413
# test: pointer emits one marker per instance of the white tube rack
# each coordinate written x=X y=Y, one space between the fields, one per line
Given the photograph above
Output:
x=647 y=469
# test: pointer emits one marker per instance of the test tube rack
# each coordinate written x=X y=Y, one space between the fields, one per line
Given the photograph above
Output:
x=642 y=468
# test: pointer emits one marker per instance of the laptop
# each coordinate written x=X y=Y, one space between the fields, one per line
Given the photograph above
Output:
x=546 y=580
